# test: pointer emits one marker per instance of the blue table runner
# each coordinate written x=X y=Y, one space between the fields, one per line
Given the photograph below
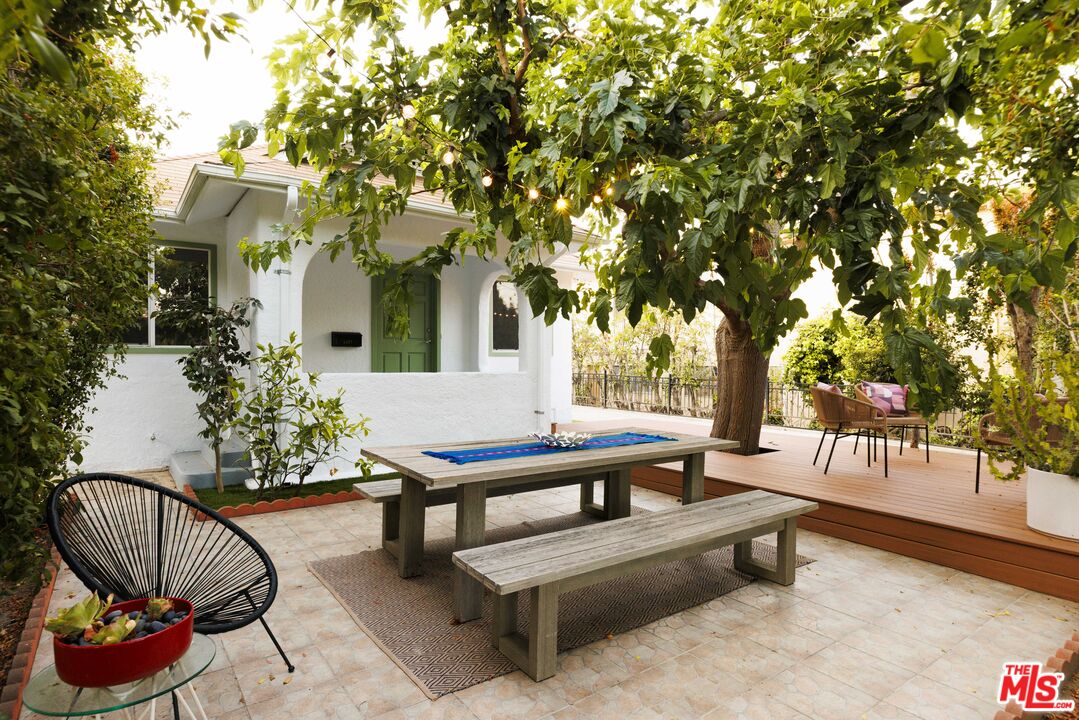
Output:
x=502 y=452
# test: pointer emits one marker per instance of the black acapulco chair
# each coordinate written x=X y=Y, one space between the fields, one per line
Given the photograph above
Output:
x=134 y=539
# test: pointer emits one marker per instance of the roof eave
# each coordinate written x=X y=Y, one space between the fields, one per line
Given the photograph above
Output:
x=202 y=172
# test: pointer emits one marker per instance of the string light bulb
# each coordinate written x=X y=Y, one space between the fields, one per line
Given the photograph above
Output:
x=533 y=193
x=561 y=204
x=408 y=111
x=448 y=157
x=609 y=191
x=487 y=181
x=597 y=199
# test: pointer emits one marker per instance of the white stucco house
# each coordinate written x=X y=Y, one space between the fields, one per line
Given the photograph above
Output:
x=476 y=366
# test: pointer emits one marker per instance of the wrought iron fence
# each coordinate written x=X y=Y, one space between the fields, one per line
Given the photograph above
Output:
x=785 y=405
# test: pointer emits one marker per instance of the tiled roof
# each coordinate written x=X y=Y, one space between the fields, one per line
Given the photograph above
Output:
x=172 y=173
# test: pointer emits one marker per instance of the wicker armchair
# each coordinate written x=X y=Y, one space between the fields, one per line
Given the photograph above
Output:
x=910 y=420
x=989 y=436
x=840 y=415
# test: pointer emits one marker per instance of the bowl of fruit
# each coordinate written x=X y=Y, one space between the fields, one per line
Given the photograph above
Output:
x=98 y=643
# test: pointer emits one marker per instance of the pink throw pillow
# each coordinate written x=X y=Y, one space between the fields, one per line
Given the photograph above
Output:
x=889 y=397
x=829 y=388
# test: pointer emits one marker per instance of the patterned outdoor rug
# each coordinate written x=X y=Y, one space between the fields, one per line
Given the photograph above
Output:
x=412 y=620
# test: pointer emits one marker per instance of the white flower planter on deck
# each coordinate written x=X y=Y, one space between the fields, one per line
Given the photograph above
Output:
x=1053 y=503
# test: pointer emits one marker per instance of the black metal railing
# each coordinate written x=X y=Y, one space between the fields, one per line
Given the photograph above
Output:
x=785 y=405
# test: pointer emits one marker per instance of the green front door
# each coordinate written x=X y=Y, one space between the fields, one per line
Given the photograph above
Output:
x=419 y=351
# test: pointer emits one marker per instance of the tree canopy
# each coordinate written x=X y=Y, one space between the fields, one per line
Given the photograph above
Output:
x=729 y=147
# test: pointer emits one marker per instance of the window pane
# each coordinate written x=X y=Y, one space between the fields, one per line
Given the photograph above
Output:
x=182 y=274
x=139 y=333
x=504 y=316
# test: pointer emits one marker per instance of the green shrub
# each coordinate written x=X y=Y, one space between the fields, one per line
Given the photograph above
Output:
x=75 y=219
x=813 y=357
x=289 y=428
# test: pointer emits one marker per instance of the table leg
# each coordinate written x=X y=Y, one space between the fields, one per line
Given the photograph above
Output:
x=693 y=478
x=198 y=703
x=616 y=494
x=471 y=523
x=410 y=527
x=588 y=498
x=187 y=708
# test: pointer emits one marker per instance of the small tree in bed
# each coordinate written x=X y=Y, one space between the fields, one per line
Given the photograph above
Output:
x=213 y=361
x=289 y=428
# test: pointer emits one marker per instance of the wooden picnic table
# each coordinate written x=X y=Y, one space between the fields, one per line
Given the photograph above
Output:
x=472 y=481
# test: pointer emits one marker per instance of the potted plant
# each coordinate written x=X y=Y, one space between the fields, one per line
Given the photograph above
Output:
x=1043 y=432
x=100 y=644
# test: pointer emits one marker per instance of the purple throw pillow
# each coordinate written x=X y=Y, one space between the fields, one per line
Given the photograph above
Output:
x=889 y=397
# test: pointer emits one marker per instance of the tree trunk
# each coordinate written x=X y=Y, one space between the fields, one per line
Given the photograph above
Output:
x=1023 y=324
x=217 y=468
x=741 y=385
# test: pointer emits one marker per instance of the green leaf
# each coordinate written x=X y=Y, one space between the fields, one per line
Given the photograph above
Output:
x=115 y=631
x=1025 y=34
x=930 y=48
x=609 y=92
x=51 y=57
x=75 y=619
x=831 y=175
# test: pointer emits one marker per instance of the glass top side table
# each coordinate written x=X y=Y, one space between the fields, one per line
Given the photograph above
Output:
x=47 y=694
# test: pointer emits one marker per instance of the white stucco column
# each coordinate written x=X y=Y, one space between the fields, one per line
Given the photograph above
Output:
x=561 y=380
x=274 y=287
x=534 y=361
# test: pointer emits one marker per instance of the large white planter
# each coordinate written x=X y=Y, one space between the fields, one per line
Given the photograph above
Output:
x=1053 y=503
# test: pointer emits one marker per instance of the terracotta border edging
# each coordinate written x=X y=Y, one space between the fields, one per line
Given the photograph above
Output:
x=1065 y=660
x=295 y=503
x=22 y=665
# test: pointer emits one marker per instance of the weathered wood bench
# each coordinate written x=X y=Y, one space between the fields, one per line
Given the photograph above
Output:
x=388 y=494
x=551 y=564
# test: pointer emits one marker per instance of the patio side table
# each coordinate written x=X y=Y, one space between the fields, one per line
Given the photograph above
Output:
x=47 y=694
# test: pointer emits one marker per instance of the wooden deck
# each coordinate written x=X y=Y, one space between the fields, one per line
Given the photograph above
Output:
x=923 y=510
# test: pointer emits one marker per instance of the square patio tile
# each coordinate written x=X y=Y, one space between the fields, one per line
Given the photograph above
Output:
x=885 y=644
x=329 y=701
x=268 y=679
x=930 y=700
x=754 y=705
x=874 y=676
x=818 y=618
x=445 y=708
x=791 y=640
x=512 y=696
x=745 y=659
x=818 y=695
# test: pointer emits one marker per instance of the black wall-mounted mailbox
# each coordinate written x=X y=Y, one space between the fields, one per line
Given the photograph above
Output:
x=346 y=339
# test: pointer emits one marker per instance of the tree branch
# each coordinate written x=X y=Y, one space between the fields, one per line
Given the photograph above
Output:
x=526 y=43
x=503 y=58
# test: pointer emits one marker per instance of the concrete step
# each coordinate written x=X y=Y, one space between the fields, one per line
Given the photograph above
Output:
x=232 y=454
x=191 y=468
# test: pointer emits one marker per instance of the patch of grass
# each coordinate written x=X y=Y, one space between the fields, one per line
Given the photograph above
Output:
x=238 y=494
